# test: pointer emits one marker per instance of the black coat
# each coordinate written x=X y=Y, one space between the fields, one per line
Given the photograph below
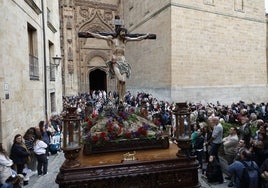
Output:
x=214 y=172
x=19 y=154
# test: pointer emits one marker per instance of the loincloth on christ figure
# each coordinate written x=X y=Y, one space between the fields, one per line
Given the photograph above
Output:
x=123 y=67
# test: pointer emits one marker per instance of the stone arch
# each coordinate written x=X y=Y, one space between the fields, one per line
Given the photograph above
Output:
x=91 y=57
x=95 y=54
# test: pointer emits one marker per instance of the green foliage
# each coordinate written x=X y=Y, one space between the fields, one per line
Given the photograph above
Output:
x=226 y=128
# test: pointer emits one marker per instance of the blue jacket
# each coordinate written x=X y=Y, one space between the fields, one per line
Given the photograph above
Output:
x=236 y=168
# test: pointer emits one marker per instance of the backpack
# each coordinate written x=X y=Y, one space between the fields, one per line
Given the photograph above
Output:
x=250 y=176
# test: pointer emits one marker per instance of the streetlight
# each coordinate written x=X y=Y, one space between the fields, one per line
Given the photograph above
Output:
x=56 y=60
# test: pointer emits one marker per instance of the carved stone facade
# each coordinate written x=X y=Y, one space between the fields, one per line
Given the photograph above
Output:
x=205 y=50
x=85 y=58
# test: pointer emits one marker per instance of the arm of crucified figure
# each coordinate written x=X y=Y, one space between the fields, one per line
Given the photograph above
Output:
x=139 y=38
x=104 y=36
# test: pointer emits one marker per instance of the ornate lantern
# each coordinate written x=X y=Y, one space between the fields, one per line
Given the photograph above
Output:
x=182 y=134
x=71 y=138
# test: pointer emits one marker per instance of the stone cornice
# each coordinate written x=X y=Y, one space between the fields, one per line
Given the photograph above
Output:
x=32 y=4
x=95 y=5
x=51 y=27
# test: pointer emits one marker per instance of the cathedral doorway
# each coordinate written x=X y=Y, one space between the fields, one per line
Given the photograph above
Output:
x=97 y=80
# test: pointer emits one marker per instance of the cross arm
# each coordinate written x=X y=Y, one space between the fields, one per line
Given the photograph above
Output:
x=150 y=36
x=88 y=35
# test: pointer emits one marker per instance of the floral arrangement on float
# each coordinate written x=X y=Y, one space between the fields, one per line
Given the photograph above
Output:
x=120 y=130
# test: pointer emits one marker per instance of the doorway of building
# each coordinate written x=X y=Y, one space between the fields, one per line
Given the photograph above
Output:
x=97 y=80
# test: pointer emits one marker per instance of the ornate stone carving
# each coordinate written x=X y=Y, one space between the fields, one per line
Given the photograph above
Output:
x=69 y=22
x=70 y=68
x=70 y=3
x=84 y=12
x=96 y=5
x=108 y=15
x=70 y=54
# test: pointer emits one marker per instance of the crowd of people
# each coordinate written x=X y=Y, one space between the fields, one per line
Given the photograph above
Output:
x=29 y=154
x=245 y=140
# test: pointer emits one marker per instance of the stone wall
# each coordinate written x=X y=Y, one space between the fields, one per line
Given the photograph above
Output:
x=23 y=99
x=205 y=50
x=211 y=50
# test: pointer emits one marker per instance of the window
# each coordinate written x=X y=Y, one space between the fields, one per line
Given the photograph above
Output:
x=52 y=102
x=33 y=58
x=52 y=67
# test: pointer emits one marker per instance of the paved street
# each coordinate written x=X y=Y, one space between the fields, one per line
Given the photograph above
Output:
x=55 y=161
x=54 y=164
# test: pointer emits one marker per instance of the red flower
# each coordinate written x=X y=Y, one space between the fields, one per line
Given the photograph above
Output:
x=128 y=135
x=89 y=123
x=95 y=138
x=109 y=126
x=94 y=115
x=102 y=135
x=142 y=131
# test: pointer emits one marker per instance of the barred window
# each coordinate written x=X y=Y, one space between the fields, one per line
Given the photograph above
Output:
x=33 y=55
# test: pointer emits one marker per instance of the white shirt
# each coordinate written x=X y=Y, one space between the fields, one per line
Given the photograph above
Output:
x=40 y=147
x=5 y=161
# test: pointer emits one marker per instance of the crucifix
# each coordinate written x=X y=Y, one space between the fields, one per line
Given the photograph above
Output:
x=118 y=66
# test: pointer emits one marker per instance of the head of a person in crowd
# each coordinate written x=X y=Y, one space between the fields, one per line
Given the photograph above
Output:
x=206 y=128
x=195 y=127
x=244 y=120
x=230 y=112
x=200 y=131
x=210 y=112
x=260 y=122
x=211 y=158
x=215 y=120
x=202 y=125
x=233 y=131
x=241 y=143
x=17 y=139
x=38 y=136
x=261 y=136
x=262 y=129
x=246 y=155
x=30 y=133
x=244 y=112
x=253 y=117
x=42 y=126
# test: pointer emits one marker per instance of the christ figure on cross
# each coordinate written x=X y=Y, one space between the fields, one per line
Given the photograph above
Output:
x=118 y=66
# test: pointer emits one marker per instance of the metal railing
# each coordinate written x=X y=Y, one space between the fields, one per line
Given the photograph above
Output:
x=34 y=67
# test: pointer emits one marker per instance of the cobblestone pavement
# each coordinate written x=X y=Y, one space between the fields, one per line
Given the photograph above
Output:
x=55 y=162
